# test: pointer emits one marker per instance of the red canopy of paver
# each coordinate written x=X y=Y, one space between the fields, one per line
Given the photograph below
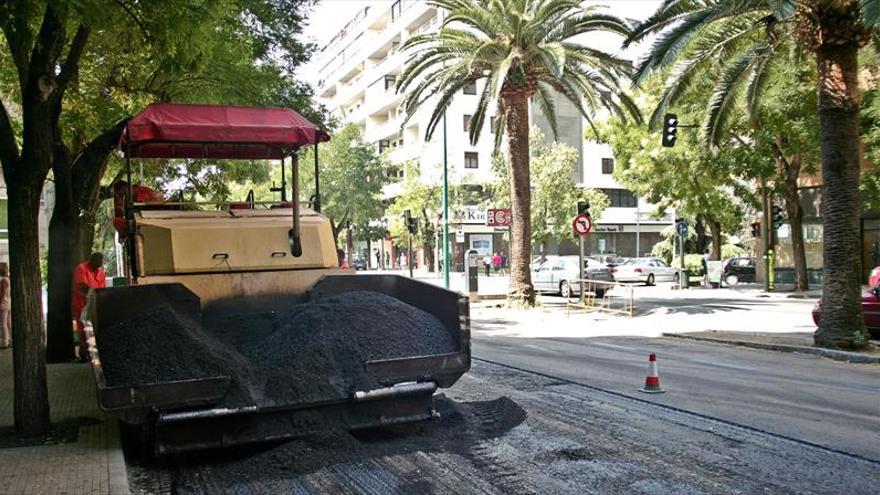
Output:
x=174 y=130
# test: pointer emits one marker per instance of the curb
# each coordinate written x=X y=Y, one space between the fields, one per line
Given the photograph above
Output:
x=852 y=357
x=117 y=472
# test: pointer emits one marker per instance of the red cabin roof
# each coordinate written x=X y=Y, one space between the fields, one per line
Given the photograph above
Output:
x=174 y=130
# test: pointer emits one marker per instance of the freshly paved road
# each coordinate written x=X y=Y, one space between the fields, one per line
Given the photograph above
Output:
x=814 y=399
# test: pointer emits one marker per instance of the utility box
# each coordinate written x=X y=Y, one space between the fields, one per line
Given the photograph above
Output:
x=472 y=263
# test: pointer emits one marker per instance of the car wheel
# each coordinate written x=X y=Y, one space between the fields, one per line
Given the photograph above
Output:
x=731 y=279
x=650 y=280
x=564 y=289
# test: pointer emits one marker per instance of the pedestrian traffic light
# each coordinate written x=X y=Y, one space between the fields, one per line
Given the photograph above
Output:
x=583 y=208
x=756 y=230
x=409 y=222
x=778 y=219
x=670 y=130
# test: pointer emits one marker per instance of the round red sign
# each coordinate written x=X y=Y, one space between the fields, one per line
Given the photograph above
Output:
x=582 y=225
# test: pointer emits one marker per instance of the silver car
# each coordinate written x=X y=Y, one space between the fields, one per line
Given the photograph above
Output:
x=645 y=270
x=560 y=274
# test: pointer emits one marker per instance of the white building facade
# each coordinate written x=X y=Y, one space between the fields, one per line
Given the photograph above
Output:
x=358 y=71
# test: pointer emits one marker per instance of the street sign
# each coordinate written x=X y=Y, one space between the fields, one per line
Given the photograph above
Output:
x=582 y=225
x=498 y=217
x=459 y=236
x=682 y=229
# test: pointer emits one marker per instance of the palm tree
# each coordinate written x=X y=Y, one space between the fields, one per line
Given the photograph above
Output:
x=742 y=40
x=524 y=51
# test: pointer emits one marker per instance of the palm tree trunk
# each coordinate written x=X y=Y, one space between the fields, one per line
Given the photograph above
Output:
x=842 y=322
x=31 y=402
x=515 y=108
x=792 y=169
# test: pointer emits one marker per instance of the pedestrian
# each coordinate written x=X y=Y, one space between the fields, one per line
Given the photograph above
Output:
x=387 y=260
x=706 y=268
x=87 y=275
x=496 y=262
x=378 y=256
x=503 y=261
x=487 y=264
x=5 y=308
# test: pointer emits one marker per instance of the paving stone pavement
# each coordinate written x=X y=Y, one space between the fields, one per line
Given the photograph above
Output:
x=91 y=465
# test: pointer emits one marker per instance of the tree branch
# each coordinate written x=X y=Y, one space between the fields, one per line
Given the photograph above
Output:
x=89 y=165
x=8 y=146
x=133 y=16
x=70 y=67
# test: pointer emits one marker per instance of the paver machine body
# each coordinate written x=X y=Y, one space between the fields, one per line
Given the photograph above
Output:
x=258 y=256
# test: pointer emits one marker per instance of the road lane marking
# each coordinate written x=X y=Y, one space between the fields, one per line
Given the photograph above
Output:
x=619 y=347
x=721 y=365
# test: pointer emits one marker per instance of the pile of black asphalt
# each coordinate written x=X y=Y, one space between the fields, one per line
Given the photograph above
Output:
x=312 y=351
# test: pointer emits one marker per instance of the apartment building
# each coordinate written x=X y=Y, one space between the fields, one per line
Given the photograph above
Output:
x=358 y=70
x=46 y=203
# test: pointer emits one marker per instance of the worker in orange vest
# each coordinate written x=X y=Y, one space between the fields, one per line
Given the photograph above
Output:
x=87 y=275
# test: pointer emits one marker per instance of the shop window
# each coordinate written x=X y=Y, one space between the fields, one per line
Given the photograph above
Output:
x=471 y=159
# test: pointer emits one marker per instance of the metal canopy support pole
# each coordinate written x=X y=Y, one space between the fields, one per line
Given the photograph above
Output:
x=294 y=234
x=445 y=210
x=129 y=219
x=283 y=182
x=317 y=204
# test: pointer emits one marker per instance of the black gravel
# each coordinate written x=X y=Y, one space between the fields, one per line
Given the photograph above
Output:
x=309 y=352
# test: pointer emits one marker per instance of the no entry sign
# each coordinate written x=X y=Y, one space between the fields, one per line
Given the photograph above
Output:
x=582 y=225
x=498 y=217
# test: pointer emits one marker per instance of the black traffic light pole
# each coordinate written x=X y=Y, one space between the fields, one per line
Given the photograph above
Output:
x=583 y=208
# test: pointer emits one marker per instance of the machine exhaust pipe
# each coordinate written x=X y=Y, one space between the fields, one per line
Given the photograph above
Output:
x=293 y=235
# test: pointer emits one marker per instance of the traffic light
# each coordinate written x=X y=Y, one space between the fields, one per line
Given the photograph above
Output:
x=583 y=208
x=410 y=222
x=670 y=130
x=778 y=219
x=756 y=229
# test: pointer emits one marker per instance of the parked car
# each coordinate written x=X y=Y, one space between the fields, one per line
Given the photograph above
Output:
x=738 y=270
x=870 y=308
x=609 y=260
x=559 y=274
x=645 y=270
x=359 y=262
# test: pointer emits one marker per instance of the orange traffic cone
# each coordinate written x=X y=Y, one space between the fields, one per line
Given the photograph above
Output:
x=652 y=382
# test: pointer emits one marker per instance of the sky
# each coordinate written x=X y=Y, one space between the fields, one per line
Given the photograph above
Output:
x=329 y=16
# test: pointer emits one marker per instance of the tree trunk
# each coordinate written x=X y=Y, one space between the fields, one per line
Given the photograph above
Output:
x=515 y=108
x=842 y=322
x=29 y=345
x=715 y=230
x=792 y=169
x=62 y=252
x=700 y=230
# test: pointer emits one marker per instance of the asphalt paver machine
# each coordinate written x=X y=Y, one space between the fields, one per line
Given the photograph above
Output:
x=192 y=258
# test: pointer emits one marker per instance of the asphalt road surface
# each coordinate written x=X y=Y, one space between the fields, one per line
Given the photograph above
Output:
x=502 y=430
x=814 y=399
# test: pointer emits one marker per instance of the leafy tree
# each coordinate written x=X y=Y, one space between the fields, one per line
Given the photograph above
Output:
x=351 y=176
x=743 y=42
x=424 y=203
x=64 y=102
x=522 y=49
x=554 y=193
x=703 y=185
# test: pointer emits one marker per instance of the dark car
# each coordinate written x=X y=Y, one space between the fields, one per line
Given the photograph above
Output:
x=870 y=308
x=738 y=270
x=359 y=262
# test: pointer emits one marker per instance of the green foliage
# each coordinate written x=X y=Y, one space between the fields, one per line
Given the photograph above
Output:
x=731 y=251
x=691 y=178
x=351 y=177
x=554 y=192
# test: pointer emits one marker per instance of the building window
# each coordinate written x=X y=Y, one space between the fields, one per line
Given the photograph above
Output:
x=466 y=121
x=493 y=121
x=621 y=198
x=396 y=9
x=608 y=165
x=471 y=159
x=470 y=88
x=384 y=145
x=390 y=82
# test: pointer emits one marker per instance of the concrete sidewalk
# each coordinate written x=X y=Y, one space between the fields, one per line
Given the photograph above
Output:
x=92 y=464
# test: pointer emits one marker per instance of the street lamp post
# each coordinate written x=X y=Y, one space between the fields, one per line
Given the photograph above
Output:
x=445 y=210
